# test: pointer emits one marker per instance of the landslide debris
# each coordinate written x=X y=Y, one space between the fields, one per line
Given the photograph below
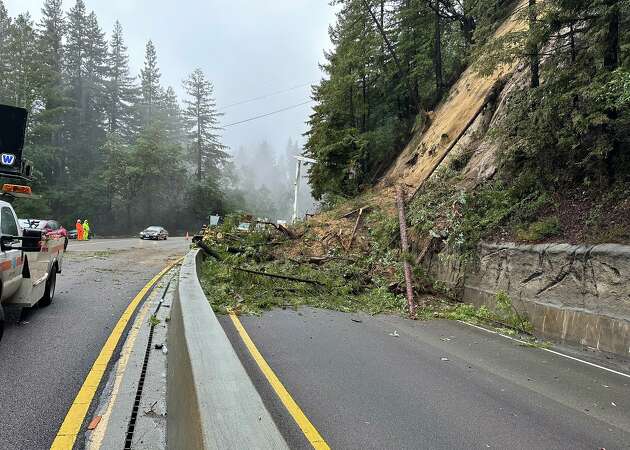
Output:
x=319 y=263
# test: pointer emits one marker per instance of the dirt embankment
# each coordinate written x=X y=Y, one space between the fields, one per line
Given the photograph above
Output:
x=452 y=121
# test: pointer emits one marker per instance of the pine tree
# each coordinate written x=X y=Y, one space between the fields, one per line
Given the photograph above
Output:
x=86 y=68
x=48 y=132
x=150 y=81
x=171 y=116
x=202 y=121
x=121 y=92
x=5 y=24
x=75 y=55
x=23 y=60
x=51 y=29
x=96 y=70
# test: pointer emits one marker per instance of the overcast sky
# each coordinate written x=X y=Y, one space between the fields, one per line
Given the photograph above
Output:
x=247 y=48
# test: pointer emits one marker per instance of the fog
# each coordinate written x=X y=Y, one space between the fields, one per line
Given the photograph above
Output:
x=248 y=49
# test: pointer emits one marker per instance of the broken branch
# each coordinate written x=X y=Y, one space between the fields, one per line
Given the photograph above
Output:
x=354 y=230
x=282 y=277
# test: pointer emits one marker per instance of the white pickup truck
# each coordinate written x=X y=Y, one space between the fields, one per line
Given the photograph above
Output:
x=29 y=260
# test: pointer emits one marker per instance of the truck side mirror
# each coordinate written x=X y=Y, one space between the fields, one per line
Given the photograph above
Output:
x=6 y=243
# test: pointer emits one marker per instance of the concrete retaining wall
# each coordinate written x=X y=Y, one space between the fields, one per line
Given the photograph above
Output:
x=578 y=294
x=211 y=402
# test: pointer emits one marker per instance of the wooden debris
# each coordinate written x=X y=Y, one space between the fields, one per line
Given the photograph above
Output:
x=400 y=203
x=365 y=208
x=198 y=240
x=281 y=228
x=354 y=230
x=282 y=277
x=318 y=260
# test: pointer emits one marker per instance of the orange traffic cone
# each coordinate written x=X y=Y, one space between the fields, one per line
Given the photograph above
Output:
x=187 y=237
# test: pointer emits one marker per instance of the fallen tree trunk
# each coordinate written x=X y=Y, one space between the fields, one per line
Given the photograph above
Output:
x=282 y=277
x=400 y=203
x=280 y=228
x=198 y=240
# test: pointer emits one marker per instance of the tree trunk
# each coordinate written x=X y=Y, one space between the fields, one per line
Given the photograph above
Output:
x=437 y=52
x=534 y=57
x=468 y=29
x=199 y=162
x=364 y=109
x=611 y=49
x=390 y=48
x=572 y=41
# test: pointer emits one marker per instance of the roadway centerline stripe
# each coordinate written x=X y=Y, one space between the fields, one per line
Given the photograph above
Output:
x=71 y=426
x=310 y=432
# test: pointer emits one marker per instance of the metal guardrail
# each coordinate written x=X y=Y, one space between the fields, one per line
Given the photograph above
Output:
x=211 y=401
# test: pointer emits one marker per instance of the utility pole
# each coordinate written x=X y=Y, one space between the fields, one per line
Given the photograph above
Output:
x=298 y=170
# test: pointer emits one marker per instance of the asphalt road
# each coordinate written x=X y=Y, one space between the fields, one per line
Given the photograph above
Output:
x=438 y=385
x=45 y=357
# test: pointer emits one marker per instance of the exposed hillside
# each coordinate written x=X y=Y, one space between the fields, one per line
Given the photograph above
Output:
x=530 y=142
x=458 y=119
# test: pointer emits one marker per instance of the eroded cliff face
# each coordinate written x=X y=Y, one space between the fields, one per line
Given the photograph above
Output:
x=462 y=118
x=578 y=294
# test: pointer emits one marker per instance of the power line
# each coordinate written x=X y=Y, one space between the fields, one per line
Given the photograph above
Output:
x=268 y=114
x=261 y=97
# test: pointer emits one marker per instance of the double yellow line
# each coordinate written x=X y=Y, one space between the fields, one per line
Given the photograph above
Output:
x=71 y=426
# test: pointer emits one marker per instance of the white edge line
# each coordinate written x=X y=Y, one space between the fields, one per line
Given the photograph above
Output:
x=547 y=350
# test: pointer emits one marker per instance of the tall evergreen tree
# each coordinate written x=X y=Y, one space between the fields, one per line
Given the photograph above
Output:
x=121 y=93
x=5 y=24
x=49 y=130
x=86 y=67
x=150 y=82
x=22 y=78
x=75 y=59
x=202 y=120
x=171 y=116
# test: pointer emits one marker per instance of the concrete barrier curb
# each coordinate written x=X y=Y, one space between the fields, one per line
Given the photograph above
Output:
x=211 y=401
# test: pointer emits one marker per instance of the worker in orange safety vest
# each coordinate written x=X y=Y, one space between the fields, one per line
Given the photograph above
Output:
x=79 y=230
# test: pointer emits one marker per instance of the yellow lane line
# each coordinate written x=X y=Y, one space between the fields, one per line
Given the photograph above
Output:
x=71 y=426
x=310 y=432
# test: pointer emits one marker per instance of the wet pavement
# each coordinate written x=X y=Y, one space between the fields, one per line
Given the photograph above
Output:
x=46 y=353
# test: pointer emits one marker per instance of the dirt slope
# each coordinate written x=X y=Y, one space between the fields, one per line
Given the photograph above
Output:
x=450 y=122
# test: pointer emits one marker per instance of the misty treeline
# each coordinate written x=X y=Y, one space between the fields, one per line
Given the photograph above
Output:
x=393 y=60
x=266 y=178
x=107 y=144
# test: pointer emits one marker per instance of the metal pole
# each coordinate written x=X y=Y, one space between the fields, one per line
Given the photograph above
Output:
x=297 y=190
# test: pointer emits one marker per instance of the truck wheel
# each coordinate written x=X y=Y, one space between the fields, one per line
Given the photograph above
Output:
x=51 y=284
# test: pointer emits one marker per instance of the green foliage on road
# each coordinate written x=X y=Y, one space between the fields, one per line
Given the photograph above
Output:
x=370 y=281
x=344 y=283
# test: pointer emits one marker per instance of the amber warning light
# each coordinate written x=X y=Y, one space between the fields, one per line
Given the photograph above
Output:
x=17 y=190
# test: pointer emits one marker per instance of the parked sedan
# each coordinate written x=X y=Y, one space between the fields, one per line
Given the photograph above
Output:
x=156 y=233
x=47 y=226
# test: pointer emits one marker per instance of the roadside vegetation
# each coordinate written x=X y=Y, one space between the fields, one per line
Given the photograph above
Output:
x=314 y=264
